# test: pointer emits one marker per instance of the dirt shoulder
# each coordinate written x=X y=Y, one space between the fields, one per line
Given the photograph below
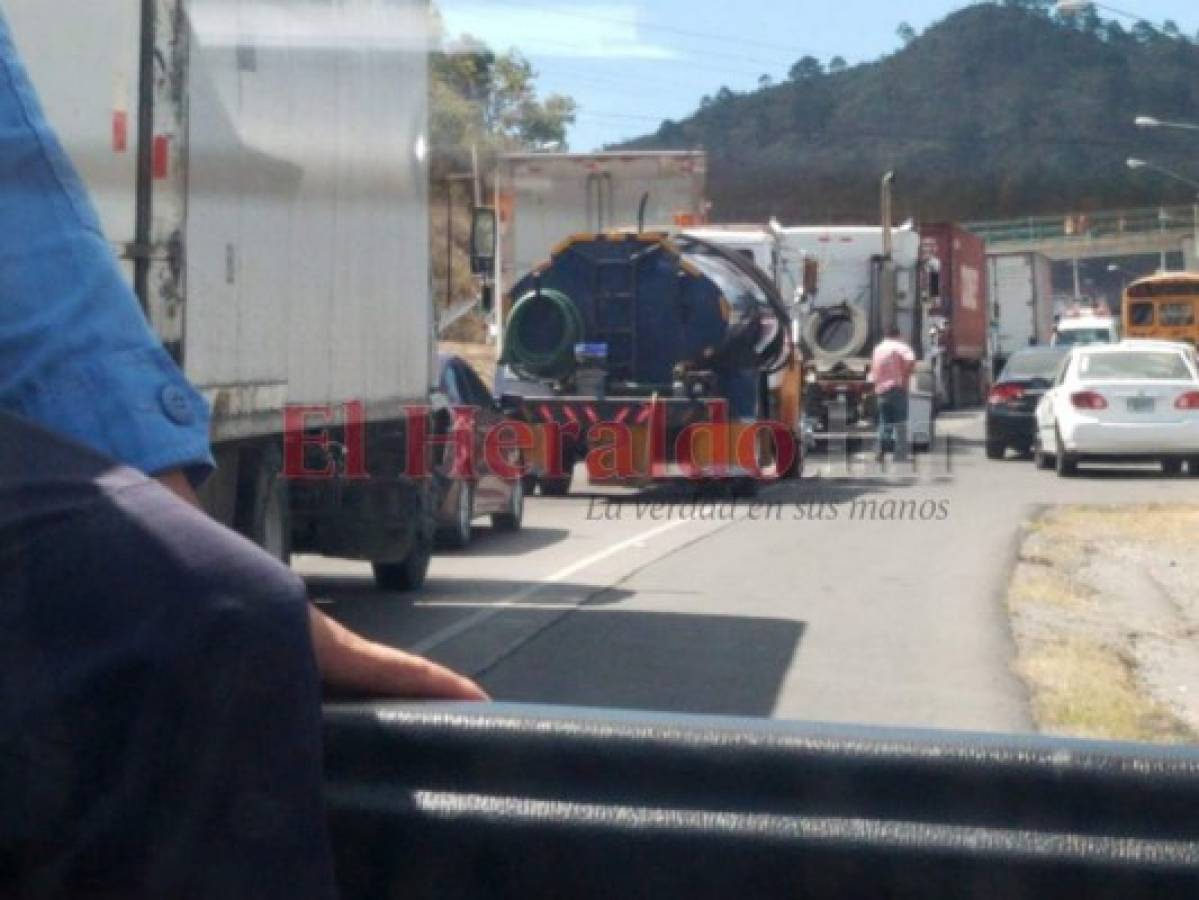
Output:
x=1104 y=609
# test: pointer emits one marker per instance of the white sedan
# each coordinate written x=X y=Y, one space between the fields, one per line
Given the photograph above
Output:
x=1133 y=401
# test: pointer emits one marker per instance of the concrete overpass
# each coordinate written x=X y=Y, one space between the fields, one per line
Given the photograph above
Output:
x=1078 y=236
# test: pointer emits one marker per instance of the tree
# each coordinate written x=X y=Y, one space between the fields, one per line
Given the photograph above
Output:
x=1114 y=33
x=764 y=81
x=1088 y=21
x=808 y=67
x=837 y=64
x=906 y=33
x=490 y=102
x=487 y=102
x=1171 y=30
x=1144 y=32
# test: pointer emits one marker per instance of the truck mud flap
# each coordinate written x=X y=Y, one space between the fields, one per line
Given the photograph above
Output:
x=450 y=801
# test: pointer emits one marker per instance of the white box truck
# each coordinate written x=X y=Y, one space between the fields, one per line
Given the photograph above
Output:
x=1021 y=303
x=260 y=169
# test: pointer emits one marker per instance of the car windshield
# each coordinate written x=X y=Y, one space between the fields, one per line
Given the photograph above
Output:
x=1068 y=337
x=1032 y=364
x=1134 y=366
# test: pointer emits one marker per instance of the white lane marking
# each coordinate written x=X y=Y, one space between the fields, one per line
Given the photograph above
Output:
x=449 y=633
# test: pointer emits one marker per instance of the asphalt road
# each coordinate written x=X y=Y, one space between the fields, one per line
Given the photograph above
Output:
x=852 y=595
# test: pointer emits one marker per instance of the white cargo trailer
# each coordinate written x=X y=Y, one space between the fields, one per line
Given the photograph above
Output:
x=1021 y=301
x=259 y=166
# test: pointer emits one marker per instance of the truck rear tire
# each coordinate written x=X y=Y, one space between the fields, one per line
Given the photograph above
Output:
x=263 y=511
x=794 y=470
x=410 y=572
x=560 y=487
x=954 y=400
x=408 y=575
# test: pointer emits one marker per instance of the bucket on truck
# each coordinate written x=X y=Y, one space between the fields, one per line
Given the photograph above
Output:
x=591 y=369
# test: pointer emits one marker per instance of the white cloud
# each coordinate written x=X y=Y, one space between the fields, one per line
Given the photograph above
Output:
x=575 y=32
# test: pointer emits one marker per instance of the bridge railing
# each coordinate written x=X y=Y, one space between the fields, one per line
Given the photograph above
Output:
x=1085 y=226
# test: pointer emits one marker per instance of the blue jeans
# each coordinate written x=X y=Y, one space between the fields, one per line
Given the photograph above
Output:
x=893 y=422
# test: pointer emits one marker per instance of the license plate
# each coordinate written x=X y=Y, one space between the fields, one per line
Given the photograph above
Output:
x=1140 y=404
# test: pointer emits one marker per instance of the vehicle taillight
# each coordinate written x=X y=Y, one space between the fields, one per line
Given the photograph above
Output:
x=1189 y=400
x=1005 y=393
x=1088 y=400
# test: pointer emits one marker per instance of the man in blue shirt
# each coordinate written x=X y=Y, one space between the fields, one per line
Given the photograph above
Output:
x=76 y=353
x=159 y=675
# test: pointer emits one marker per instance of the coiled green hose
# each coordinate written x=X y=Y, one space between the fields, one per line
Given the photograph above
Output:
x=530 y=315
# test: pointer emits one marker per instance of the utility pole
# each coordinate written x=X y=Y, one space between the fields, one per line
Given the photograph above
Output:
x=1161 y=221
x=474 y=167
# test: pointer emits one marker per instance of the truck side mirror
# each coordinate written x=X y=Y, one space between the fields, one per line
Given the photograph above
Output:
x=811 y=277
x=934 y=284
x=482 y=240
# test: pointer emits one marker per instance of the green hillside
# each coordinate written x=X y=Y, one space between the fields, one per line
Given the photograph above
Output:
x=997 y=110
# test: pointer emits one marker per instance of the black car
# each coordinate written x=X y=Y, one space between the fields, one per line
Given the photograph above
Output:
x=1012 y=403
x=487 y=493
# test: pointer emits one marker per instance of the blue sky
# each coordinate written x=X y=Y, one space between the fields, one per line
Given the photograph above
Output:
x=632 y=63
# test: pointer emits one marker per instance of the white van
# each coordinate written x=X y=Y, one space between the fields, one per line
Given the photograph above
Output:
x=1072 y=331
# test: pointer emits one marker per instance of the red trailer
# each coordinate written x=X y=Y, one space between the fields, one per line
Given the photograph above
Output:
x=955 y=262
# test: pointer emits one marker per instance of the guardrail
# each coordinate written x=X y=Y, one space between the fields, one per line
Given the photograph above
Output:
x=1086 y=226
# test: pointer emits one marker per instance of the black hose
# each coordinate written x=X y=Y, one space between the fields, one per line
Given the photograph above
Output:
x=757 y=276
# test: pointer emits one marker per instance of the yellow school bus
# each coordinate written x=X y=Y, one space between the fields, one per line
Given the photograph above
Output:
x=1164 y=307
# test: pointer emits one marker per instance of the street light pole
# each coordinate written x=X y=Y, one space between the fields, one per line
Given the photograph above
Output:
x=1136 y=164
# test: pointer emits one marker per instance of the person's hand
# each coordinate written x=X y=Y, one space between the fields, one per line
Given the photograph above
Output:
x=351 y=663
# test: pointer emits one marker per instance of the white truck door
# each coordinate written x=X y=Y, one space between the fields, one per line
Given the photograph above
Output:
x=235 y=328
x=1013 y=293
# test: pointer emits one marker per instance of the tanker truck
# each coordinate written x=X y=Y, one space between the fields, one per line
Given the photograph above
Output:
x=653 y=359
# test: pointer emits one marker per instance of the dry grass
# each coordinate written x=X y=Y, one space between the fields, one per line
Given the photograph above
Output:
x=1042 y=584
x=1157 y=523
x=1075 y=651
x=1085 y=689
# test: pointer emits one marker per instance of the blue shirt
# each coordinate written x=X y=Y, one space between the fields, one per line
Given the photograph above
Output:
x=76 y=353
